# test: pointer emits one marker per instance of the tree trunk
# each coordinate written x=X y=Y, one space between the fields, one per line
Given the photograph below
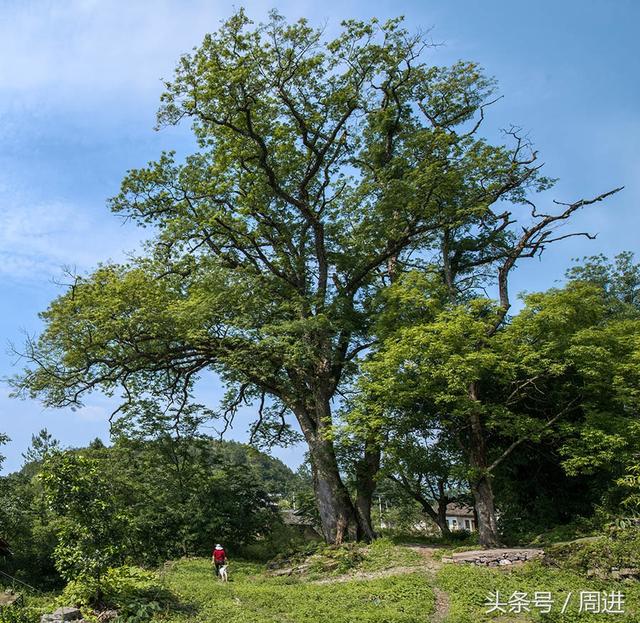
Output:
x=366 y=471
x=337 y=513
x=442 y=517
x=480 y=480
x=439 y=516
x=486 y=513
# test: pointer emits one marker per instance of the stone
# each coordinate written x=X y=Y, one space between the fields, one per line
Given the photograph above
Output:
x=67 y=613
x=493 y=557
x=282 y=572
x=505 y=561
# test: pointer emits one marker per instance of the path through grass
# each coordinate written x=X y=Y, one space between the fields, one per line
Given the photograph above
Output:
x=252 y=597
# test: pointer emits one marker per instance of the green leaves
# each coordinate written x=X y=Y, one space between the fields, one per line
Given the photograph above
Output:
x=3 y=440
x=91 y=538
x=569 y=349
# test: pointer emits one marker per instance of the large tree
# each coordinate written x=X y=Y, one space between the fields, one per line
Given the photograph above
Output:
x=563 y=367
x=322 y=167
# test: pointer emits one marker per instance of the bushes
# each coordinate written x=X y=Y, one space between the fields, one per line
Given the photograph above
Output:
x=15 y=614
x=602 y=555
x=136 y=594
x=283 y=539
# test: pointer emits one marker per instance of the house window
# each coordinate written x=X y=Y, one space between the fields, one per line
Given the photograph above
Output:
x=467 y=524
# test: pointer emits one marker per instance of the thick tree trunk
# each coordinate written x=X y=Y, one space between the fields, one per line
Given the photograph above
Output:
x=486 y=513
x=480 y=480
x=338 y=517
x=337 y=513
x=366 y=471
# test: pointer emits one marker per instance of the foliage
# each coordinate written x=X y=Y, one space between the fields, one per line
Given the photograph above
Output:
x=92 y=536
x=280 y=541
x=141 y=500
x=3 y=440
x=130 y=590
x=469 y=586
x=617 y=549
x=630 y=486
x=42 y=446
x=559 y=378
x=27 y=614
x=323 y=168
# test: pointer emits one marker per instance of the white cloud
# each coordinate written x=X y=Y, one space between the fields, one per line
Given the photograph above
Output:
x=37 y=240
x=85 y=49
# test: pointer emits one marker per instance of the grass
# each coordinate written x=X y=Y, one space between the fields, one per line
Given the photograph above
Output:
x=35 y=605
x=468 y=587
x=350 y=584
x=252 y=597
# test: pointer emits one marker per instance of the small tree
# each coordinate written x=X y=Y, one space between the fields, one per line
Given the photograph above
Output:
x=3 y=440
x=428 y=468
x=42 y=446
x=92 y=536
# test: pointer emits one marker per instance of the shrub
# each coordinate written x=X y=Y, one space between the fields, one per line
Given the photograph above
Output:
x=16 y=614
x=136 y=594
x=619 y=548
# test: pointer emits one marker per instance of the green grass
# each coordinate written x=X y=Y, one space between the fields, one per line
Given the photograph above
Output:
x=455 y=539
x=468 y=587
x=354 y=558
x=252 y=597
x=349 y=584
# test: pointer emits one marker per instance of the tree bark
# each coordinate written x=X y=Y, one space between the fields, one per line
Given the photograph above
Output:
x=366 y=471
x=486 y=513
x=337 y=513
x=338 y=517
x=480 y=480
x=439 y=517
x=442 y=516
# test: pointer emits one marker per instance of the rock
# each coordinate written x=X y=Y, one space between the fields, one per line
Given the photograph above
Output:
x=280 y=572
x=497 y=557
x=67 y=614
x=62 y=614
x=107 y=615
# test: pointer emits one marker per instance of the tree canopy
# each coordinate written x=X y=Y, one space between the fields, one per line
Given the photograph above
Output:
x=324 y=169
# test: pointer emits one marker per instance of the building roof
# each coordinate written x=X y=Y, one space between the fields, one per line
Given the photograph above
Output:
x=459 y=510
x=290 y=517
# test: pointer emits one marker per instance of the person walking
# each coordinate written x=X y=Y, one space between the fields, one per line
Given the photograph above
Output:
x=218 y=558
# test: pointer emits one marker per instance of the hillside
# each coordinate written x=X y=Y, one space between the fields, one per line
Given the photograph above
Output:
x=382 y=583
x=379 y=583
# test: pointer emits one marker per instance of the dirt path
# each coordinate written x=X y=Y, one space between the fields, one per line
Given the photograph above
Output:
x=433 y=564
x=368 y=575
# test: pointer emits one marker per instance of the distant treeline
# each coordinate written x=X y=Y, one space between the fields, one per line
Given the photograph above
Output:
x=69 y=513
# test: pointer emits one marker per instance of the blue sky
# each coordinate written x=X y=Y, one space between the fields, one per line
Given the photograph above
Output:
x=80 y=83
